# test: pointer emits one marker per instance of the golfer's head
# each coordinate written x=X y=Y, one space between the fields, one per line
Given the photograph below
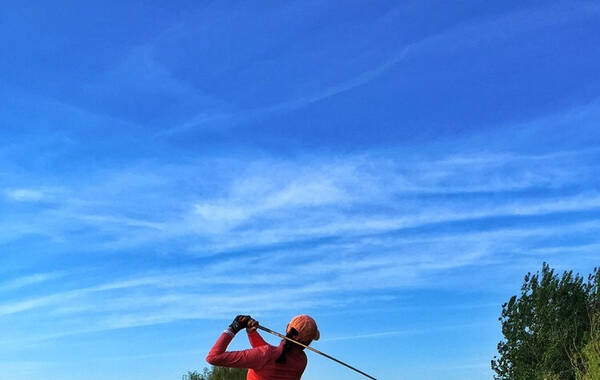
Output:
x=306 y=329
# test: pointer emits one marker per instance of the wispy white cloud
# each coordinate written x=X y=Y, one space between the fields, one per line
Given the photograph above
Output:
x=331 y=224
x=256 y=196
x=141 y=76
x=314 y=278
x=130 y=222
x=375 y=222
x=28 y=280
x=266 y=202
x=456 y=38
x=23 y=368
x=414 y=331
x=28 y=304
x=592 y=248
x=24 y=195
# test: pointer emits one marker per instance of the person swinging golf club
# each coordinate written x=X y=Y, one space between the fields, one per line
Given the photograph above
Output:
x=264 y=361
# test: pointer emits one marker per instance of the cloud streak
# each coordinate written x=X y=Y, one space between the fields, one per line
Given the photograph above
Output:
x=32 y=279
x=24 y=195
x=459 y=37
x=345 y=225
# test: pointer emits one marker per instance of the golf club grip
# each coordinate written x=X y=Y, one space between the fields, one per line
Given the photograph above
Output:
x=314 y=350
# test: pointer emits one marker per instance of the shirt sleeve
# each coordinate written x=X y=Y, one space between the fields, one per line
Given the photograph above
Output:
x=253 y=358
x=255 y=339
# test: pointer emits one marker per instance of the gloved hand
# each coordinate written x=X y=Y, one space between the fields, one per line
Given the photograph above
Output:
x=239 y=322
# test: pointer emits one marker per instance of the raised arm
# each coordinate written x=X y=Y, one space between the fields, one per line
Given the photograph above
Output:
x=256 y=357
x=253 y=336
x=252 y=358
x=255 y=339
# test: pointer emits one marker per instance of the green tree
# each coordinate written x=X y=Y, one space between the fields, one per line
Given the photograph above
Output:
x=217 y=373
x=545 y=327
x=587 y=362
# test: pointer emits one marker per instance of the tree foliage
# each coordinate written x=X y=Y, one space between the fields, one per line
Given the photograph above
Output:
x=589 y=367
x=588 y=360
x=546 y=327
x=217 y=373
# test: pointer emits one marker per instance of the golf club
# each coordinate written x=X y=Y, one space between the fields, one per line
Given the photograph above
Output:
x=314 y=350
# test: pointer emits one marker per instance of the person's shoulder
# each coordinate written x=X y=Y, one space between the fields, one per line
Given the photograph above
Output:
x=300 y=356
x=304 y=356
x=269 y=348
x=298 y=360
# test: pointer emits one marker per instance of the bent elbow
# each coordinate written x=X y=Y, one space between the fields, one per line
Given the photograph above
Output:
x=211 y=359
x=215 y=359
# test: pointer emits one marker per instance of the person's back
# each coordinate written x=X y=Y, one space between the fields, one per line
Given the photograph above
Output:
x=293 y=368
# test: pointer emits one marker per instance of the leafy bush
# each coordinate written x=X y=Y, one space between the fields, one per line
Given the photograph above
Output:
x=217 y=373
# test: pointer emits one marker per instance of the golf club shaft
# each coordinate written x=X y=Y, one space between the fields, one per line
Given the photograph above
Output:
x=314 y=350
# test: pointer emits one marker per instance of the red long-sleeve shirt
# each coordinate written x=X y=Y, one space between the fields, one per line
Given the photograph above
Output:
x=260 y=359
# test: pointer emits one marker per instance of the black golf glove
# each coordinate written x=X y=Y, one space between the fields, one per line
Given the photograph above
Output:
x=239 y=322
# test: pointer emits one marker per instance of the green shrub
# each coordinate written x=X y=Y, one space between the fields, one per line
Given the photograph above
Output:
x=217 y=373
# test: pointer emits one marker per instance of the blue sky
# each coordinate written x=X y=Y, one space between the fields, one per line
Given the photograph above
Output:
x=391 y=168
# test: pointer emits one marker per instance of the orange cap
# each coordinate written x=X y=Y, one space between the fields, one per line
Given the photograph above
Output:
x=306 y=327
